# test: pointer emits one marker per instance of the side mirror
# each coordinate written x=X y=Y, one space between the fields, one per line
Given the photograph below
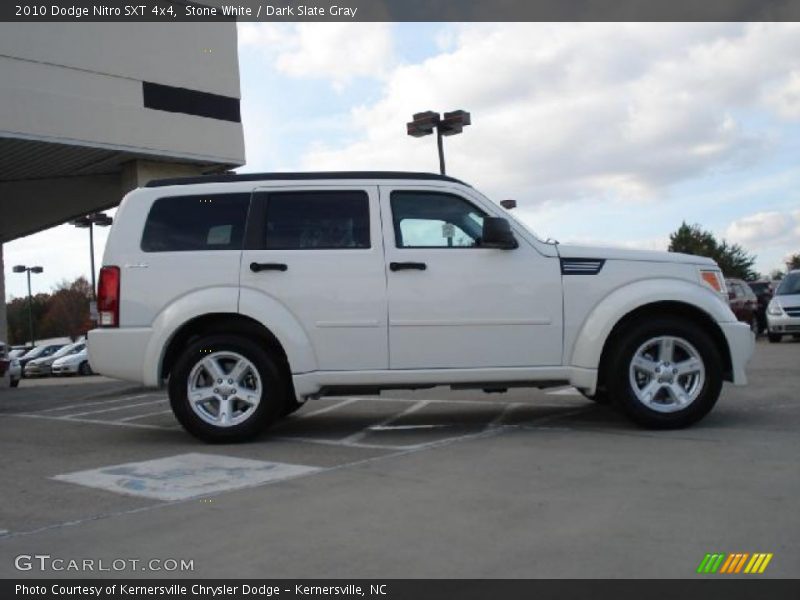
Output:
x=497 y=234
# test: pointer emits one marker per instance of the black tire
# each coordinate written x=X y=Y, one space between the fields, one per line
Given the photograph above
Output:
x=14 y=383
x=775 y=338
x=600 y=396
x=292 y=406
x=625 y=346
x=84 y=369
x=272 y=402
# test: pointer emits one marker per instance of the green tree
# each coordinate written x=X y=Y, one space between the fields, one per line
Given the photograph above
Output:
x=68 y=309
x=734 y=260
x=63 y=313
x=793 y=262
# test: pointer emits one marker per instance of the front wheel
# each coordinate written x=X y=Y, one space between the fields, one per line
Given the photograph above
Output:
x=774 y=338
x=226 y=388
x=666 y=373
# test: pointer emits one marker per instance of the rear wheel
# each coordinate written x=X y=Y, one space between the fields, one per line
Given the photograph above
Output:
x=84 y=369
x=774 y=338
x=14 y=383
x=665 y=373
x=226 y=388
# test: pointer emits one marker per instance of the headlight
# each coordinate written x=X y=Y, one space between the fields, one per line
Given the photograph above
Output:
x=775 y=309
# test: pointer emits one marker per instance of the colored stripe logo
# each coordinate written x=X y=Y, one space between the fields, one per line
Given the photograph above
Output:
x=737 y=562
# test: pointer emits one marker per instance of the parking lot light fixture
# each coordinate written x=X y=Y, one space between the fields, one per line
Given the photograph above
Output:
x=89 y=222
x=29 y=270
x=451 y=123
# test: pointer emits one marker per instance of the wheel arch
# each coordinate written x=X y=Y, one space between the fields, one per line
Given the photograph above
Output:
x=221 y=323
x=672 y=308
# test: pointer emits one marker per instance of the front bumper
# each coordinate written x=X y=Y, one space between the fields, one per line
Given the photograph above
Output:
x=69 y=369
x=37 y=370
x=741 y=343
x=783 y=324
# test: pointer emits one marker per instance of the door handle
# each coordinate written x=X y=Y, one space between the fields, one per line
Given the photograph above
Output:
x=258 y=267
x=403 y=266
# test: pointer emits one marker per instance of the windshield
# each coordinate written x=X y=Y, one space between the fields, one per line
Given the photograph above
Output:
x=67 y=350
x=35 y=352
x=789 y=285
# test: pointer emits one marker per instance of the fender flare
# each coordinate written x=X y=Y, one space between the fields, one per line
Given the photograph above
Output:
x=228 y=300
x=286 y=328
x=590 y=341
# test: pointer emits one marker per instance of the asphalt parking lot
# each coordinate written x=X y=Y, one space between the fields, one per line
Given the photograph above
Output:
x=435 y=483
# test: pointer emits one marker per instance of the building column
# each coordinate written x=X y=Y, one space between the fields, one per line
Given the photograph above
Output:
x=3 y=321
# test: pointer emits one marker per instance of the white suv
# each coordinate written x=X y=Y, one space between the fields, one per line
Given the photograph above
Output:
x=250 y=294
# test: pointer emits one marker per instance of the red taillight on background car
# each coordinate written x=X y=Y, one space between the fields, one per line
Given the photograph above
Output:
x=108 y=297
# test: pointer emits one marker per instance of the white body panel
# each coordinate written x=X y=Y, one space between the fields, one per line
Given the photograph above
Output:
x=471 y=307
x=475 y=316
x=338 y=297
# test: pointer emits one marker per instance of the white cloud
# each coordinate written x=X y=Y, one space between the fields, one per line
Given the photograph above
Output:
x=339 y=52
x=785 y=97
x=580 y=110
x=763 y=227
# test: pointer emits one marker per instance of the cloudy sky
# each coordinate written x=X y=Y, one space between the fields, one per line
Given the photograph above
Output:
x=604 y=133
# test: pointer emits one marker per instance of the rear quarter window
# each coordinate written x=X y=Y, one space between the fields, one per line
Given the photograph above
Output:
x=198 y=222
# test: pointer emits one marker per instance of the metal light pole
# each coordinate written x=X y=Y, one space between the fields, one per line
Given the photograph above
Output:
x=29 y=270
x=451 y=124
x=88 y=222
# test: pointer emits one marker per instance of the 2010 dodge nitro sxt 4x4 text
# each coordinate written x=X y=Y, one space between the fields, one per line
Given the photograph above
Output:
x=249 y=294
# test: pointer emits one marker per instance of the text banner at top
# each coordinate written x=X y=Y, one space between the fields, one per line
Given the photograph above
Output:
x=401 y=10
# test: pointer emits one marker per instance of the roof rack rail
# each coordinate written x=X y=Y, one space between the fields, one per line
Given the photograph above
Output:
x=299 y=176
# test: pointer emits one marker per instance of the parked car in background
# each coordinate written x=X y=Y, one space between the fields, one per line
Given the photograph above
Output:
x=763 y=290
x=19 y=351
x=75 y=362
x=783 y=312
x=41 y=367
x=38 y=352
x=744 y=303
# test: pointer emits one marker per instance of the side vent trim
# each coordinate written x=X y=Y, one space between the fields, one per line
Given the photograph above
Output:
x=582 y=266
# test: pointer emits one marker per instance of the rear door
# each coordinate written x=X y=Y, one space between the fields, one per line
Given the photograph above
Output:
x=454 y=304
x=318 y=251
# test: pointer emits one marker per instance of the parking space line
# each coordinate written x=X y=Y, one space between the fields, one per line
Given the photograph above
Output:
x=144 y=416
x=327 y=409
x=92 y=421
x=87 y=404
x=498 y=420
x=105 y=410
x=360 y=435
x=325 y=442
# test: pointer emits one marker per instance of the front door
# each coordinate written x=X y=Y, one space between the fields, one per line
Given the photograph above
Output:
x=453 y=304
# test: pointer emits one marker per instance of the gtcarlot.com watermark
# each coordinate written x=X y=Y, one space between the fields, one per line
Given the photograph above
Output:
x=46 y=562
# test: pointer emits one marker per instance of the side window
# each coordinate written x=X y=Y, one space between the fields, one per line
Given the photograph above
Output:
x=317 y=220
x=185 y=223
x=435 y=220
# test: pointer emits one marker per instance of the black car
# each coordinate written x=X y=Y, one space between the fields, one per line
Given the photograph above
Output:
x=763 y=291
